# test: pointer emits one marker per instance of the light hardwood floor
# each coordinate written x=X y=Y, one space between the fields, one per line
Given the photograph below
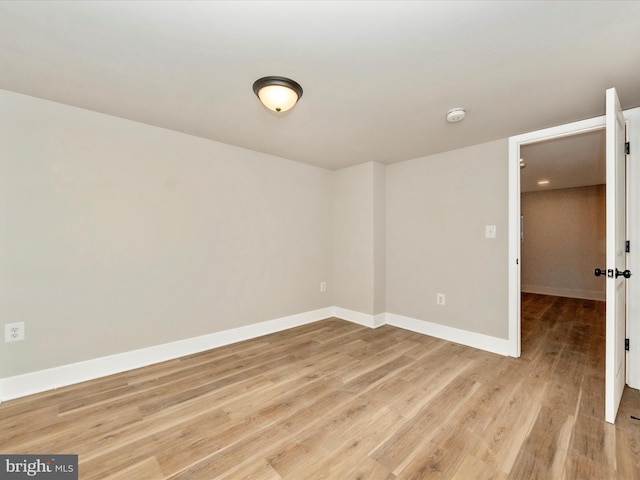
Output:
x=333 y=400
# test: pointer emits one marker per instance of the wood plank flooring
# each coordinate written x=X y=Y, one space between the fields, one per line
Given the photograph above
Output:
x=333 y=400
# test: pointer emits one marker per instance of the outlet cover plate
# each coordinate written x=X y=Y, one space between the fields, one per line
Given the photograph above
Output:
x=13 y=332
x=490 y=231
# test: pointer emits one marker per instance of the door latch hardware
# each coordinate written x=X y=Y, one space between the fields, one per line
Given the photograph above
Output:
x=625 y=274
x=609 y=273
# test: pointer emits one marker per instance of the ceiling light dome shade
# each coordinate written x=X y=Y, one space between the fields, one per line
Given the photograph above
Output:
x=277 y=93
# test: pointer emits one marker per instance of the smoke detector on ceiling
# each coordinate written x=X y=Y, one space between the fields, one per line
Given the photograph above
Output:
x=455 y=115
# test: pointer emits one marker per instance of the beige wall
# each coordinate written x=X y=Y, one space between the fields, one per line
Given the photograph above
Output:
x=437 y=209
x=359 y=234
x=116 y=235
x=379 y=239
x=564 y=240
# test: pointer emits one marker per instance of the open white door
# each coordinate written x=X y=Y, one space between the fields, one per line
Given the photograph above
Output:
x=616 y=257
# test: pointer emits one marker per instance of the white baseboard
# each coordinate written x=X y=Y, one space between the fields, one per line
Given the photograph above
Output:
x=52 y=378
x=463 y=337
x=364 y=319
x=565 y=292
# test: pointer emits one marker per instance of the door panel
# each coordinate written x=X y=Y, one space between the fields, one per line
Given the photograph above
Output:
x=616 y=257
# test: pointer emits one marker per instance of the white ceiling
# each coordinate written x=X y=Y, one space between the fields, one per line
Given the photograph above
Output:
x=566 y=162
x=378 y=76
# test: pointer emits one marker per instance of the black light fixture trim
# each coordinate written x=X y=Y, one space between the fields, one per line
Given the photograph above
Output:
x=282 y=81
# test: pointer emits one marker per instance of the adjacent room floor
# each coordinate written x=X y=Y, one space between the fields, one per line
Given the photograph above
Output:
x=334 y=400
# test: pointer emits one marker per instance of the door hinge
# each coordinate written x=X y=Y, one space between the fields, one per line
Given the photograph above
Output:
x=627 y=148
x=626 y=344
x=627 y=246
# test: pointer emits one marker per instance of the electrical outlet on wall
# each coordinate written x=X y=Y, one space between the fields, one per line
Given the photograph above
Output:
x=440 y=298
x=323 y=286
x=13 y=332
x=489 y=231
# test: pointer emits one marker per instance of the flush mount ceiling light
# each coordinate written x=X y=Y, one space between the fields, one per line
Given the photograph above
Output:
x=277 y=93
x=456 y=115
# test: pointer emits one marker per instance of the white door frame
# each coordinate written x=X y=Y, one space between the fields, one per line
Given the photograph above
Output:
x=633 y=200
x=514 y=212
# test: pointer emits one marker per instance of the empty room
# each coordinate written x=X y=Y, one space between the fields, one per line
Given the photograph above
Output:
x=307 y=240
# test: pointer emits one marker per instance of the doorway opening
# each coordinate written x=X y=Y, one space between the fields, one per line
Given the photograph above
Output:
x=563 y=134
x=563 y=237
